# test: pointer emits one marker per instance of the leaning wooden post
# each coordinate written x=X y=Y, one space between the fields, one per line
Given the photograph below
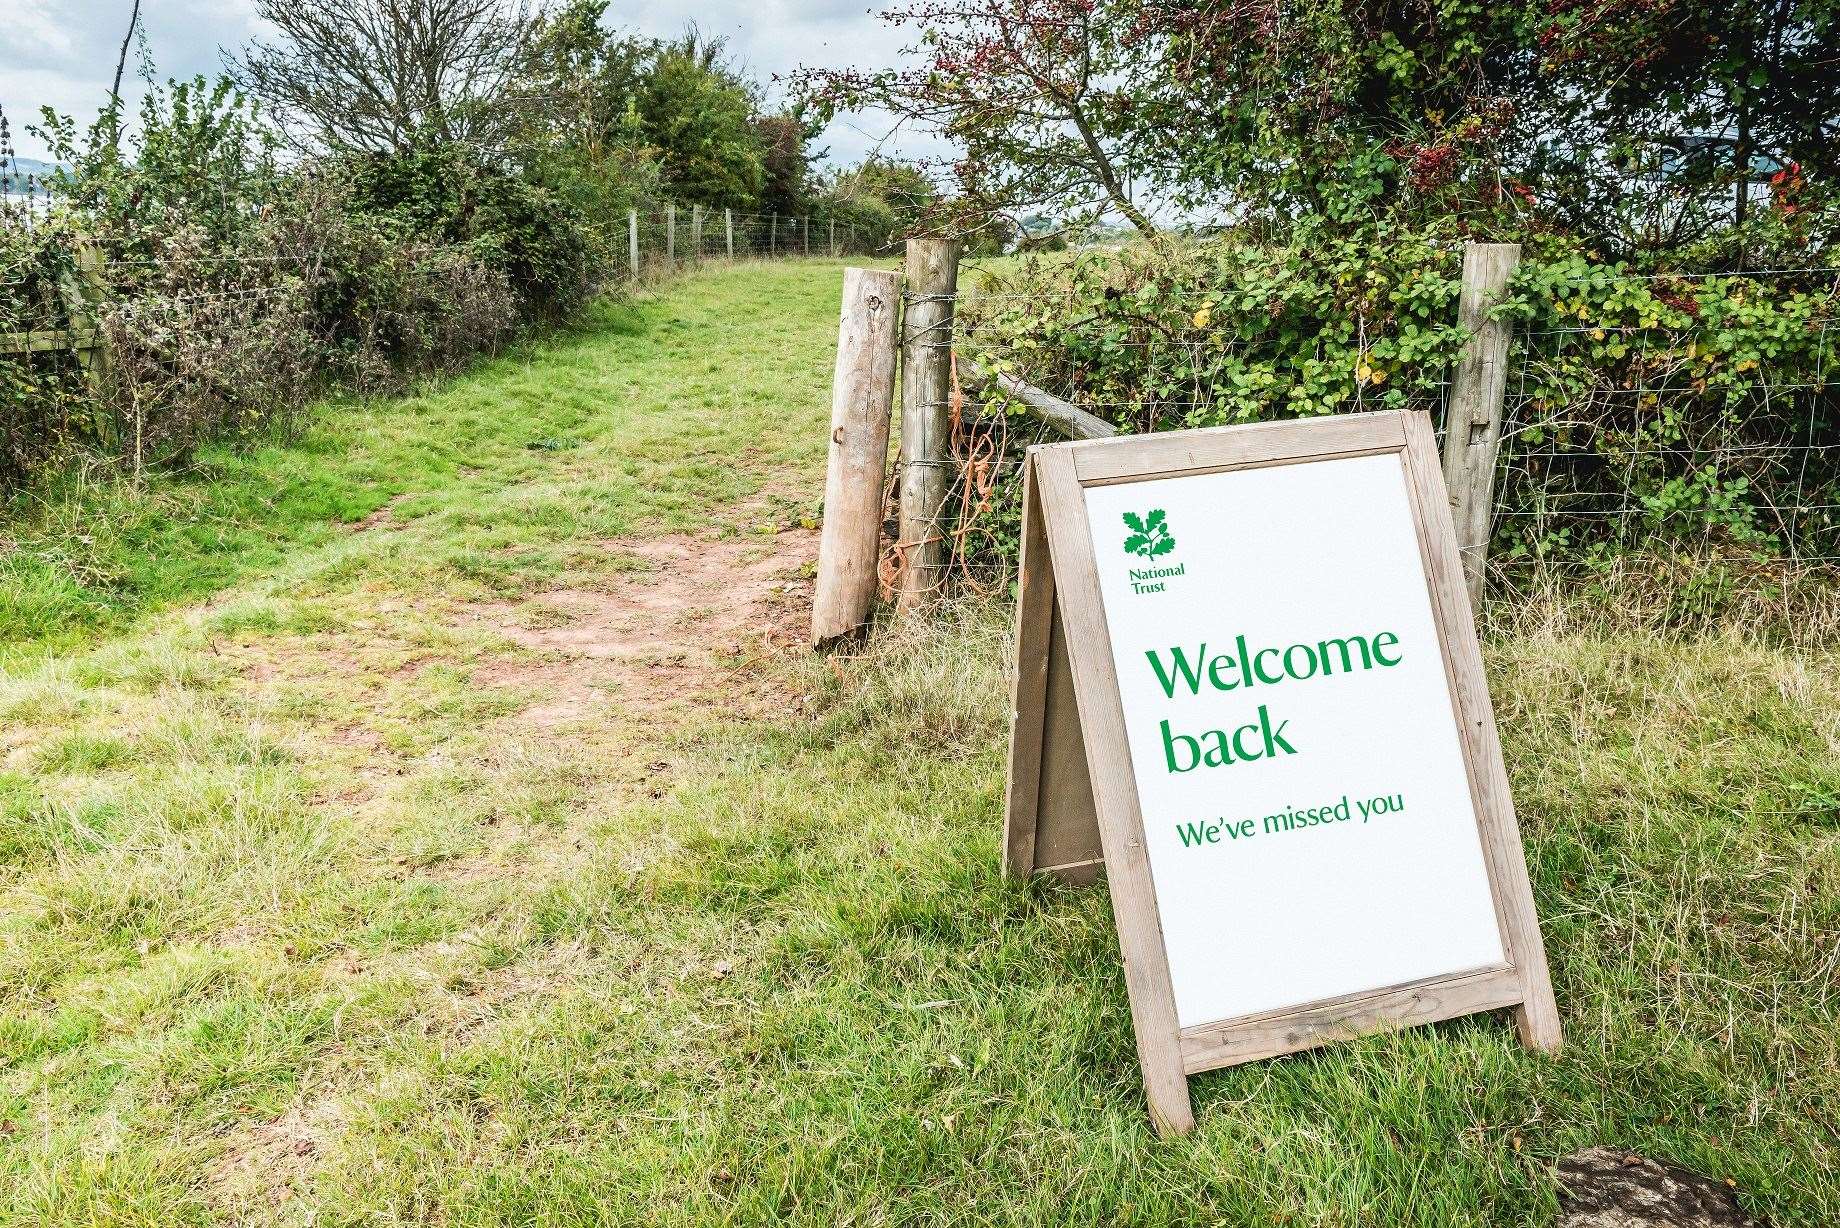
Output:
x=1478 y=387
x=728 y=228
x=632 y=240
x=670 y=235
x=862 y=401
x=926 y=391
x=84 y=291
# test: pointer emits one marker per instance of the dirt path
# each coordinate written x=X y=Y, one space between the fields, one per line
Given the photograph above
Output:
x=661 y=629
x=337 y=798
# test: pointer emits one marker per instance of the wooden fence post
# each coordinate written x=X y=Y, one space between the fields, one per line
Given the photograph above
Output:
x=833 y=238
x=1478 y=387
x=696 y=232
x=84 y=291
x=862 y=402
x=926 y=390
x=805 y=230
x=728 y=227
x=632 y=240
x=670 y=234
x=773 y=235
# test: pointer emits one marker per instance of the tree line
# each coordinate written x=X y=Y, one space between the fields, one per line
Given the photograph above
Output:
x=1706 y=132
x=374 y=189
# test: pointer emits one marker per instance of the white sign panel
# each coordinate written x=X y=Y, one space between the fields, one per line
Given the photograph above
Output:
x=1306 y=810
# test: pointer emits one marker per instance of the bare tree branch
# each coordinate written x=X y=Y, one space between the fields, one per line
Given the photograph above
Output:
x=121 y=62
x=382 y=75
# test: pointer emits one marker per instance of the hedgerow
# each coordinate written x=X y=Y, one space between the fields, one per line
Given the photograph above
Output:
x=233 y=290
x=1695 y=407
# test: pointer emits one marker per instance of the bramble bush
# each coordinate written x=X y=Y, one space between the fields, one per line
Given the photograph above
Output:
x=1646 y=407
x=235 y=291
x=43 y=401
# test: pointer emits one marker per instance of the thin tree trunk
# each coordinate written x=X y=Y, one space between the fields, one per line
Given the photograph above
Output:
x=1108 y=178
x=121 y=62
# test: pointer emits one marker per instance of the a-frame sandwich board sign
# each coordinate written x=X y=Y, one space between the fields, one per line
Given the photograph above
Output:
x=1248 y=686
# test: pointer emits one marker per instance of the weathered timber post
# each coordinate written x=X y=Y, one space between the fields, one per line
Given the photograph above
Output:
x=926 y=390
x=728 y=227
x=632 y=240
x=862 y=402
x=773 y=235
x=805 y=229
x=1478 y=386
x=696 y=233
x=84 y=291
x=833 y=238
x=670 y=234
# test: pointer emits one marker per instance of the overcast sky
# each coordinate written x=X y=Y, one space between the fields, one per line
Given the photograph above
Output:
x=61 y=53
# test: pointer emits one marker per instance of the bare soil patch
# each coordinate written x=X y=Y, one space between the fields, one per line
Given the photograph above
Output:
x=660 y=632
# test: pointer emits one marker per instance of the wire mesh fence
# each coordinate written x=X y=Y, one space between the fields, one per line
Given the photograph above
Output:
x=1696 y=434
x=1645 y=435
x=1163 y=386
x=667 y=236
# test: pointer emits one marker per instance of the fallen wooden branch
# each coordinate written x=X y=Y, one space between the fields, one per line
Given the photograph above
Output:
x=1064 y=416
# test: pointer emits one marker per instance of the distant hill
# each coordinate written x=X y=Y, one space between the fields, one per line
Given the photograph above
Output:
x=18 y=174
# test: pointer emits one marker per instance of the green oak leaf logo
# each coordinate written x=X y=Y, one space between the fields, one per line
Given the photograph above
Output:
x=1150 y=537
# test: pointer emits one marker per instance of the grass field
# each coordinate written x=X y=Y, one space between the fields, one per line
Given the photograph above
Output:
x=433 y=821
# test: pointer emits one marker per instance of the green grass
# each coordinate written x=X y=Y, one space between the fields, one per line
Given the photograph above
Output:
x=639 y=418
x=302 y=921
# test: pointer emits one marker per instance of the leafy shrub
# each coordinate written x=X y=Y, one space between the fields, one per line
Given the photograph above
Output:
x=1671 y=408
x=231 y=292
x=1646 y=406
x=510 y=224
x=204 y=347
x=1167 y=334
x=384 y=296
x=871 y=219
x=44 y=408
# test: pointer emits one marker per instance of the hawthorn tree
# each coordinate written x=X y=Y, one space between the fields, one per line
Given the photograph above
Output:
x=1633 y=123
x=1598 y=118
x=1732 y=92
x=1337 y=108
x=1030 y=91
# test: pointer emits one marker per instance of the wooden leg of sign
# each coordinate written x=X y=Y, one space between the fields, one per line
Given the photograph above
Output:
x=1029 y=689
x=1537 y=1019
x=1537 y=1016
x=1127 y=863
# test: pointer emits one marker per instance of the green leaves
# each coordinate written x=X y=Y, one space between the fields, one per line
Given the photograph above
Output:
x=1626 y=376
x=1150 y=537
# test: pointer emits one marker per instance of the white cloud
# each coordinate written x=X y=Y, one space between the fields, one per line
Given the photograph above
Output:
x=36 y=30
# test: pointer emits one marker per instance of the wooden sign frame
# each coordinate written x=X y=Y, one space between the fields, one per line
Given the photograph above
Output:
x=1072 y=806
